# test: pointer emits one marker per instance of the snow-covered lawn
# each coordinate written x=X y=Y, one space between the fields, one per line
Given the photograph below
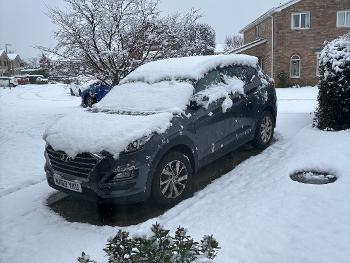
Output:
x=257 y=213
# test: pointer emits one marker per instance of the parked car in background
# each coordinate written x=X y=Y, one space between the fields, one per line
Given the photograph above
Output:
x=81 y=83
x=94 y=93
x=35 y=79
x=22 y=80
x=8 y=82
x=41 y=80
x=149 y=136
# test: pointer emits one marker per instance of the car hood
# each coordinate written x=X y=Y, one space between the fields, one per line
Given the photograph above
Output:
x=94 y=132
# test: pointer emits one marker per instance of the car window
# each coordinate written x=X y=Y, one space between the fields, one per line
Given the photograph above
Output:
x=234 y=71
x=247 y=74
x=213 y=77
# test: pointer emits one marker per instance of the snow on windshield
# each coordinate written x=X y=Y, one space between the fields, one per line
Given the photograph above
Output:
x=230 y=86
x=186 y=68
x=140 y=97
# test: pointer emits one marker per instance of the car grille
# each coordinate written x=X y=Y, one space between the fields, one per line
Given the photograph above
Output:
x=80 y=166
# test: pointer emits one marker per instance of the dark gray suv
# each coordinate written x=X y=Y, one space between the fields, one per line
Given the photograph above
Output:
x=218 y=118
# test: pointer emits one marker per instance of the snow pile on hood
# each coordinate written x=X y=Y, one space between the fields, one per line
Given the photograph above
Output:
x=337 y=53
x=165 y=96
x=231 y=86
x=186 y=68
x=84 y=131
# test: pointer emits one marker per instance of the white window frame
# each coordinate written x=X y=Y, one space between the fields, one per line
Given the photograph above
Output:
x=347 y=23
x=318 y=54
x=300 y=13
x=295 y=58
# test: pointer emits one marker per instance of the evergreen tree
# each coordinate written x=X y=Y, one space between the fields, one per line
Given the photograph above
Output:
x=333 y=110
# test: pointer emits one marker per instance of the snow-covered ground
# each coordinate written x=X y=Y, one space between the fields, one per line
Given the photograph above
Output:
x=257 y=213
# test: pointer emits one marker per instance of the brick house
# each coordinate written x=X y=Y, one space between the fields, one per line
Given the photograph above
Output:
x=287 y=39
x=14 y=63
x=3 y=63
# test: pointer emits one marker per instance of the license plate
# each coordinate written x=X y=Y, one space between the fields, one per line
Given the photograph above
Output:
x=73 y=186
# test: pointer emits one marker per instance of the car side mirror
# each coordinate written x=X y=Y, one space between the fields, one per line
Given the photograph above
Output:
x=194 y=104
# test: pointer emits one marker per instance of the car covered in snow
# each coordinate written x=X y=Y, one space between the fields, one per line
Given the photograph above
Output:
x=150 y=134
x=8 y=82
x=94 y=93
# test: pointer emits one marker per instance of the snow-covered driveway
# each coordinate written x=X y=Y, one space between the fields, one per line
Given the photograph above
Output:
x=25 y=112
x=255 y=211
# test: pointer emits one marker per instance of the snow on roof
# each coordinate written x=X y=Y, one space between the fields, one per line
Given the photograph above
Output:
x=12 y=56
x=269 y=13
x=249 y=45
x=185 y=68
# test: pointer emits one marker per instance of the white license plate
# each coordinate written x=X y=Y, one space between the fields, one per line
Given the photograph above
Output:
x=73 y=186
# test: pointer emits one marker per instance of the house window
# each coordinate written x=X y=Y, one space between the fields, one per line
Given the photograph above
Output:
x=257 y=32
x=343 y=19
x=295 y=66
x=301 y=20
x=318 y=55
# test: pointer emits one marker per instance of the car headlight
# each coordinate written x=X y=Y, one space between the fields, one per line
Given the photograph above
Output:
x=138 y=144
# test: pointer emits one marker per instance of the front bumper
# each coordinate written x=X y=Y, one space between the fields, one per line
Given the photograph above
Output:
x=98 y=186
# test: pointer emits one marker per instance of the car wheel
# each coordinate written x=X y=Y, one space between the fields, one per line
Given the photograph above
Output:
x=12 y=85
x=264 y=131
x=89 y=101
x=172 y=180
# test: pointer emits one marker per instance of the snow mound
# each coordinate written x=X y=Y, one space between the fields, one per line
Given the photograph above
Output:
x=165 y=96
x=186 y=68
x=84 y=131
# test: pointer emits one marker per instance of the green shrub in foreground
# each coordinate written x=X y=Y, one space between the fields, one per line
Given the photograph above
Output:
x=160 y=247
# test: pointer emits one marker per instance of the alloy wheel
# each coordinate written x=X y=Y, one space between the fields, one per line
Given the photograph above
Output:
x=173 y=179
x=266 y=129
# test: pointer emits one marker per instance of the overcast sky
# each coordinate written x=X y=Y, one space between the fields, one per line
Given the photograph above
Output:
x=24 y=24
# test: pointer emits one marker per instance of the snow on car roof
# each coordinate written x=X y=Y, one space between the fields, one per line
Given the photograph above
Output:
x=186 y=68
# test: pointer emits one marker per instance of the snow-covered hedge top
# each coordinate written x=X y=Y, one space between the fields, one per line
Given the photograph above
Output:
x=185 y=68
x=141 y=97
x=337 y=53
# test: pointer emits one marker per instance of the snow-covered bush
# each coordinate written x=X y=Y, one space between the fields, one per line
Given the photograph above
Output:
x=333 y=110
x=282 y=80
x=159 y=247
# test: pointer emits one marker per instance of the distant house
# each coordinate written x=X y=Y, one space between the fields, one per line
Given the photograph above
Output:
x=3 y=63
x=10 y=64
x=14 y=63
x=288 y=39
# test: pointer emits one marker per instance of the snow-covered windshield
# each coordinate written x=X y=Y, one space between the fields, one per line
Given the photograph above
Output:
x=141 y=97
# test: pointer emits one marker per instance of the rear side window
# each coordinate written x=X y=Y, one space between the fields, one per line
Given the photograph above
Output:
x=248 y=75
x=244 y=73
x=210 y=79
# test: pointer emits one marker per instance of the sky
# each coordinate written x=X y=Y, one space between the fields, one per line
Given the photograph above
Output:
x=24 y=23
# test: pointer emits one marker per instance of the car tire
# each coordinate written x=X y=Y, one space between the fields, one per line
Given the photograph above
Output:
x=89 y=101
x=12 y=85
x=172 y=179
x=264 y=130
